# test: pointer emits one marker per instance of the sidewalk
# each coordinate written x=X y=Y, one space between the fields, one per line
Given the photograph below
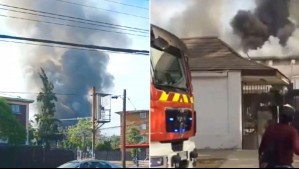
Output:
x=242 y=159
x=130 y=164
x=231 y=159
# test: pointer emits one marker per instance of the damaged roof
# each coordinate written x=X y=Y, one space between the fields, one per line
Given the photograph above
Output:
x=211 y=53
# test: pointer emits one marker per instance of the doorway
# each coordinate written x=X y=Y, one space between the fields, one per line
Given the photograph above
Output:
x=257 y=114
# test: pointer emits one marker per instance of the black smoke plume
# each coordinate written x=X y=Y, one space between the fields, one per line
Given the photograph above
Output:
x=270 y=18
x=79 y=72
x=71 y=71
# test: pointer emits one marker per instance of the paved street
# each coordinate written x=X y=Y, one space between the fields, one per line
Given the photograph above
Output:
x=222 y=159
x=230 y=159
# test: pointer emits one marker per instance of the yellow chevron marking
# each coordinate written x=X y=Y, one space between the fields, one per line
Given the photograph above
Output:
x=164 y=96
x=176 y=97
x=185 y=97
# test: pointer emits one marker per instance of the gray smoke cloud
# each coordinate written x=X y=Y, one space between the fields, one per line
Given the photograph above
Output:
x=270 y=18
x=72 y=71
x=80 y=71
x=256 y=27
x=199 y=18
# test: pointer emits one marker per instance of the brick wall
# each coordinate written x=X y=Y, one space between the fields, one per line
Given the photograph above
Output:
x=134 y=120
x=22 y=115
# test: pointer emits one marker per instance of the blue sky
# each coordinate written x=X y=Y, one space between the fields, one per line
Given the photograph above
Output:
x=130 y=72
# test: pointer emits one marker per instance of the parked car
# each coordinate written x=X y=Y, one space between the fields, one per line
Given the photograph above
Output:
x=91 y=163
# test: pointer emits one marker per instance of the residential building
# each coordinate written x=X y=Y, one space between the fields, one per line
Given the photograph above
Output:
x=20 y=108
x=287 y=65
x=138 y=119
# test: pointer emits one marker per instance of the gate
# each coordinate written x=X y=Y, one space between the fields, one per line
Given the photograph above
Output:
x=257 y=114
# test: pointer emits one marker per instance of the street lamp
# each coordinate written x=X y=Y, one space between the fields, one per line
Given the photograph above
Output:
x=123 y=128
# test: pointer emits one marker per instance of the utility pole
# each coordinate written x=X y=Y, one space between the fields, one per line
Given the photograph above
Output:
x=123 y=152
x=93 y=120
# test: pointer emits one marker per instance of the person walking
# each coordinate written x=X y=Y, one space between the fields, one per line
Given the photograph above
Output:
x=280 y=141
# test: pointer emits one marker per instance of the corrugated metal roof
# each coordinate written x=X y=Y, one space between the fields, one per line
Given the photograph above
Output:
x=211 y=53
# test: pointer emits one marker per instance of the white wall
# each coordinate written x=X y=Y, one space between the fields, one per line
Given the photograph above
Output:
x=218 y=103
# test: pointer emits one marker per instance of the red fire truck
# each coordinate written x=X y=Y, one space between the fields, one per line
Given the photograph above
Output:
x=172 y=115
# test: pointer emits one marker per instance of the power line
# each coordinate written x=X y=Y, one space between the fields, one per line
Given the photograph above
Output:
x=73 y=26
x=132 y=103
x=107 y=128
x=77 y=4
x=78 y=21
x=62 y=47
x=71 y=17
x=44 y=45
x=126 y=4
x=141 y=52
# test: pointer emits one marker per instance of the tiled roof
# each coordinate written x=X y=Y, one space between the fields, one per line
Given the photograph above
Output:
x=211 y=53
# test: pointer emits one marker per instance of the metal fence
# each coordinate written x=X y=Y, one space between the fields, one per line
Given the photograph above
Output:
x=116 y=155
x=33 y=157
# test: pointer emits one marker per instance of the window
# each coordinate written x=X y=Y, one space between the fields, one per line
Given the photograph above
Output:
x=15 y=109
x=143 y=126
x=142 y=115
x=168 y=69
x=101 y=164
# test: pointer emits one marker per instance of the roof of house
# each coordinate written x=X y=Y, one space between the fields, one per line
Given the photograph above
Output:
x=17 y=99
x=211 y=53
x=134 y=111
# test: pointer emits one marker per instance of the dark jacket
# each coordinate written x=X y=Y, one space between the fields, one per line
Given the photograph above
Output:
x=284 y=140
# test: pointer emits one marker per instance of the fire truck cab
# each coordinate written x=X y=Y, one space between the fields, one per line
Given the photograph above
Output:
x=172 y=115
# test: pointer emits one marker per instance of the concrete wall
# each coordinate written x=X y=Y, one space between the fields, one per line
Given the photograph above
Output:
x=218 y=104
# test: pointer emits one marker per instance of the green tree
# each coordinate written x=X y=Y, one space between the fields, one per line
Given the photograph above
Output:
x=48 y=125
x=115 y=142
x=134 y=137
x=79 y=136
x=10 y=128
x=47 y=97
x=104 y=145
x=31 y=133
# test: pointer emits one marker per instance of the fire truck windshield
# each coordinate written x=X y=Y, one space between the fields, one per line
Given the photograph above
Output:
x=168 y=69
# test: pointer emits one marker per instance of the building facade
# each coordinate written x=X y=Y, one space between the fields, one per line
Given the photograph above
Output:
x=138 y=119
x=226 y=111
x=287 y=65
x=20 y=108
